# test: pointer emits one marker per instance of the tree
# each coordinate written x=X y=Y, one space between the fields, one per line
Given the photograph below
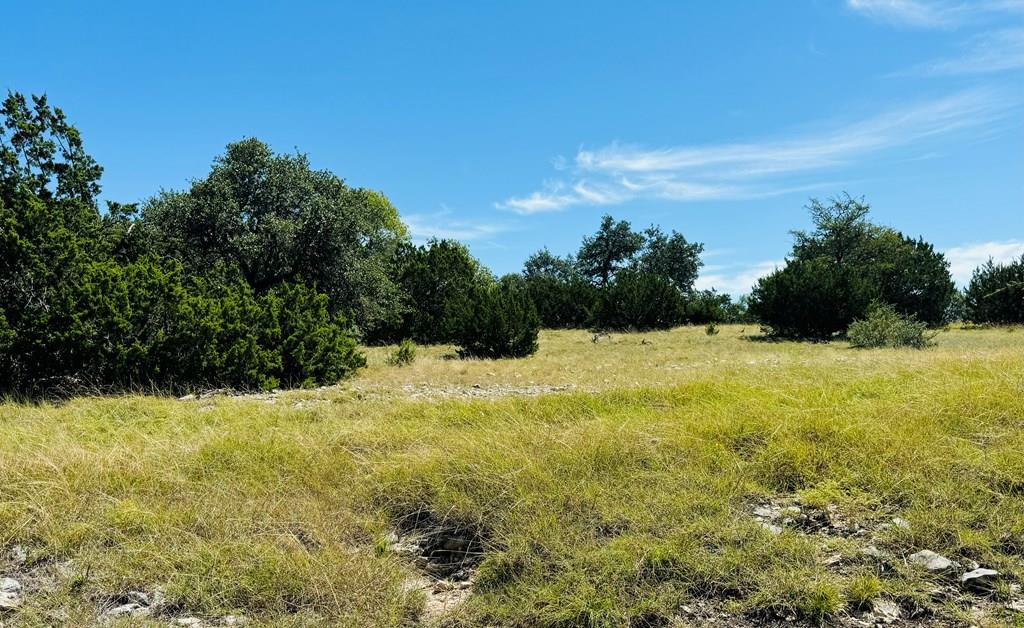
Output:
x=706 y=306
x=563 y=297
x=42 y=155
x=812 y=299
x=611 y=248
x=272 y=219
x=545 y=264
x=637 y=301
x=671 y=256
x=910 y=275
x=436 y=280
x=996 y=293
x=502 y=321
x=84 y=305
x=837 y=270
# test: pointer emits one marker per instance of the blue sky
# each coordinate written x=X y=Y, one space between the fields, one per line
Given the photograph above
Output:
x=513 y=126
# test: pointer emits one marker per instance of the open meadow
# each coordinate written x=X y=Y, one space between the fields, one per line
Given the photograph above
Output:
x=671 y=478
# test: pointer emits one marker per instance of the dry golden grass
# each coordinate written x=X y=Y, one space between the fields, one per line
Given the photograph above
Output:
x=612 y=505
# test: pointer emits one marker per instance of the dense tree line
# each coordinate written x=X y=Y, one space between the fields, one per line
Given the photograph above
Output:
x=87 y=301
x=622 y=279
x=268 y=273
x=264 y=273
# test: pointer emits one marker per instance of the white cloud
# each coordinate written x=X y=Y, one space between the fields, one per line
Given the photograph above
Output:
x=618 y=173
x=917 y=13
x=733 y=279
x=995 y=51
x=932 y=13
x=964 y=259
x=440 y=225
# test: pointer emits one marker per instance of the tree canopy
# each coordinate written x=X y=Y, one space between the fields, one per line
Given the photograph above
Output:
x=835 y=272
x=272 y=219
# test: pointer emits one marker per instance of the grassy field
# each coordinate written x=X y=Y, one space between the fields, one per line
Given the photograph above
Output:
x=654 y=479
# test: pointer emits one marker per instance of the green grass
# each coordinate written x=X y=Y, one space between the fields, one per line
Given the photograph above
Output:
x=609 y=506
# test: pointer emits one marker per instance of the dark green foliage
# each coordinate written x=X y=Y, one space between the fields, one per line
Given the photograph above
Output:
x=437 y=280
x=272 y=219
x=885 y=327
x=706 y=306
x=996 y=293
x=813 y=299
x=563 y=296
x=637 y=301
x=502 y=321
x=671 y=256
x=835 y=272
x=83 y=305
x=42 y=155
x=610 y=249
x=909 y=275
x=315 y=346
x=586 y=290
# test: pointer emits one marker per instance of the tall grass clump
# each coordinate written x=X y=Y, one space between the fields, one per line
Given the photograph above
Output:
x=885 y=327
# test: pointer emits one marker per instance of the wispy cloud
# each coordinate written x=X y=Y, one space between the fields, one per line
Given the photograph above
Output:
x=917 y=13
x=996 y=51
x=965 y=258
x=735 y=279
x=932 y=13
x=442 y=225
x=617 y=173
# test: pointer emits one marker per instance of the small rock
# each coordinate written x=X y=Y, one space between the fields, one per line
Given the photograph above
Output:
x=1016 y=605
x=9 y=585
x=443 y=585
x=131 y=609
x=774 y=529
x=19 y=554
x=188 y=621
x=834 y=559
x=10 y=594
x=873 y=552
x=901 y=523
x=886 y=610
x=931 y=561
x=234 y=620
x=979 y=579
x=766 y=512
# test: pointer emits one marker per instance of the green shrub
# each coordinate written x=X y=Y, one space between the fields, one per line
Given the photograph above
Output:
x=638 y=301
x=812 y=299
x=705 y=306
x=501 y=322
x=885 y=327
x=315 y=347
x=711 y=329
x=84 y=307
x=834 y=273
x=436 y=280
x=404 y=354
x=996 y=293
